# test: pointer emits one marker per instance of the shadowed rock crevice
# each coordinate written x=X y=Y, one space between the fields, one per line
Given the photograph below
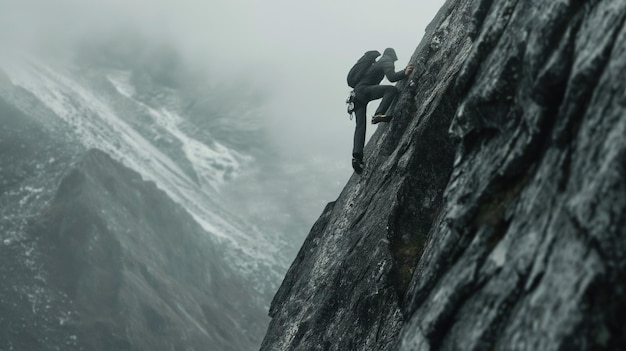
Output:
x=586 y=74
x=492 y=27
x=419 y=198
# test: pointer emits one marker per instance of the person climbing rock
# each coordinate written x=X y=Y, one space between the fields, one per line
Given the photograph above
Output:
x=368 y=89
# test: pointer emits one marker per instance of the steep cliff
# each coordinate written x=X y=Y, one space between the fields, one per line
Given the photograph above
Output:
x=492 y=213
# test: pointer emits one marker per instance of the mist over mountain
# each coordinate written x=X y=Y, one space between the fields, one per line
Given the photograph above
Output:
x=232 y=112
x=154 y=198
x=155 y=192
x=158 y=171
x=128 y=174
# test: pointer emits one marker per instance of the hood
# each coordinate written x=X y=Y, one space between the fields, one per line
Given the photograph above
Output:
x=391 y=53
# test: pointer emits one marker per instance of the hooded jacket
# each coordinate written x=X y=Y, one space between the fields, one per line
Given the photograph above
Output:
x=381 y=68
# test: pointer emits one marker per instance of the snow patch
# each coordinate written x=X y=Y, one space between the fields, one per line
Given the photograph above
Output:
x=121 y=80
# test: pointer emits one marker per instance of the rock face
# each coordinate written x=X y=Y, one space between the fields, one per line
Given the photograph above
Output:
x=115 y=264
x=492 y=213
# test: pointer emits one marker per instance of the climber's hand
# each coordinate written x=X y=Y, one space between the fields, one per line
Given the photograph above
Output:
x=408 y=69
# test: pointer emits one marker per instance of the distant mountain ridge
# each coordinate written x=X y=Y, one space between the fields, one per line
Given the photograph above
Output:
x=101 y=257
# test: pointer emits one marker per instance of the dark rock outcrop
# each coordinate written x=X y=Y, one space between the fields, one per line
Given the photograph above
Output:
x=118 y=265
x=492 y=214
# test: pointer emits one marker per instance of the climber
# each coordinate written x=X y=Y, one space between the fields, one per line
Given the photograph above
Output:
x=368 y=89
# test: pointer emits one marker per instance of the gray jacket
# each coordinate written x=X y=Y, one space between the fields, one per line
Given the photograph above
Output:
x=381 y=68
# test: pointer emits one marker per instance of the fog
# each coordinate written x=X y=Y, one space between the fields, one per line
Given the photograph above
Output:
x=298 y=51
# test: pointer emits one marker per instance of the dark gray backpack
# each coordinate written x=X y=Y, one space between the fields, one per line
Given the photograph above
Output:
x=360 y=67
x=357 y=72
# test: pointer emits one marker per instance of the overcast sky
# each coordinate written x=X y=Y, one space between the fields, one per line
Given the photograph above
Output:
x=298 y=51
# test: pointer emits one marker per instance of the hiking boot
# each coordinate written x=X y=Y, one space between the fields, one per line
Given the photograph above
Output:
x=358 y=165
x=380 y=118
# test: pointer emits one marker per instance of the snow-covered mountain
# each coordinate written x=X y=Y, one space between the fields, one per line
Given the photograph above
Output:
x=103 y=109
x=198 y=140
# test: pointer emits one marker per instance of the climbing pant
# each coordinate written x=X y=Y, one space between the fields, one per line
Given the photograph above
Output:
x=363 y=96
